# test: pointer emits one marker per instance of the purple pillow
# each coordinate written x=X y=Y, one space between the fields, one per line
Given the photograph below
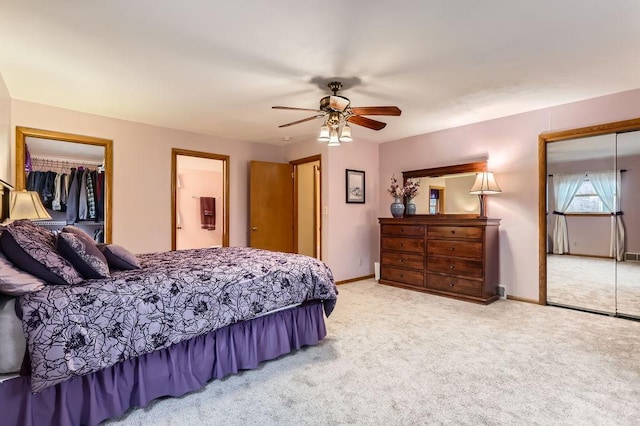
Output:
x=119 y=257
x=83 y=254
x=32 y=248
x=76 y=230
x=16 y=282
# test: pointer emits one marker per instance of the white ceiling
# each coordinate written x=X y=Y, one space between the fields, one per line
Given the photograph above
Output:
x=217 y=67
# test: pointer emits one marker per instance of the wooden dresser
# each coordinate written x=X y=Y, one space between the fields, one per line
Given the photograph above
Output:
x=444 y=255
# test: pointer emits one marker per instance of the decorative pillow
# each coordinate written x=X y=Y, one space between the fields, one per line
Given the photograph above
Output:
x=15 y=282
x=14 y=343
x=119 y=257
x=83 y=254
x=32 y=248
x=76 y=230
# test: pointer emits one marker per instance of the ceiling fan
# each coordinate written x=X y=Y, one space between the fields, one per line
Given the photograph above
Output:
x=338 y=112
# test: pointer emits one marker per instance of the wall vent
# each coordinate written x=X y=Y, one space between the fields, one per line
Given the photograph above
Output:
x=632 y=257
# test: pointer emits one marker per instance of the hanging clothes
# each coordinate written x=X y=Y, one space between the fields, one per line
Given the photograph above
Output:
x=72 y=198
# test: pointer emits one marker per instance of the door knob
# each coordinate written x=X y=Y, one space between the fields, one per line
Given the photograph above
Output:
x=255 y=228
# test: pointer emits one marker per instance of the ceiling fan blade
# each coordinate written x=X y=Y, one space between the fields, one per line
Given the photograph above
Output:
x=366 y=122
x=376 y=110
x=297 y=109
x=302 y=121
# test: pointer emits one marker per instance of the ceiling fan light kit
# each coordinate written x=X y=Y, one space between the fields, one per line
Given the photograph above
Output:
x=338 y=113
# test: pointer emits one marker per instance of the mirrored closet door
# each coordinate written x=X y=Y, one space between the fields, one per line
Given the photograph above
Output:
x=592 y=220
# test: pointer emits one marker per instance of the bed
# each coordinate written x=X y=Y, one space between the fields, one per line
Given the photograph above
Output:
x=100 y=344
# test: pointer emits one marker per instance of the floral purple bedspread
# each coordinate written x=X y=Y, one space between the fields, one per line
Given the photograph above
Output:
x=75 y=330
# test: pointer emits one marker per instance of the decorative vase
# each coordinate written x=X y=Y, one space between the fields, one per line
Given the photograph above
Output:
x=397 y=207
x=411 y=208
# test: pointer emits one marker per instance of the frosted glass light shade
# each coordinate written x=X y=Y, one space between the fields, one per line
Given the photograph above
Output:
x=485 y=184
x=345 y=134
x=324 y=134
x=333 y=140
x=26 y=205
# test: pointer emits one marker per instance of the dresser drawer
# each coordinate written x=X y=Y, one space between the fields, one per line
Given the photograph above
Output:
x=402 y=276
x=465 y=232
x=455 y=248
x=454 y=285
x=412 y=245
x=409 y=230
x=447 y=265
x=403 y=260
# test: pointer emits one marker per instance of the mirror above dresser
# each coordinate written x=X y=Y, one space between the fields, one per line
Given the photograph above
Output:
x=445 y=190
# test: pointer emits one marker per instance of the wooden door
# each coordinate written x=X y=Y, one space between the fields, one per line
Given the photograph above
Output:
x=271 y=206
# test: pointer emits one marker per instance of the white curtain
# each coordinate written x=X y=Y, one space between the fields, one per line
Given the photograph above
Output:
x=565 y=187
x=606 y=185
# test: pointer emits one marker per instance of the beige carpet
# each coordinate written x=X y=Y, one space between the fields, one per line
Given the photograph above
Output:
x=397 y=357
x=594 y=284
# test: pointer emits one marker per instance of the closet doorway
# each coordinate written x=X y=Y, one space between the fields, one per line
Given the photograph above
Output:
x=199 y=199
x=58 y=153
x=589 y=227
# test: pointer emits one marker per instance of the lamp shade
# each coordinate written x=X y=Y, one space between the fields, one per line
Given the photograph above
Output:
x=485 y=184
x=26 y=205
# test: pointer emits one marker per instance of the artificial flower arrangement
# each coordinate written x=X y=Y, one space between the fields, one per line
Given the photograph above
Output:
x=395 y=189
x=410 y=190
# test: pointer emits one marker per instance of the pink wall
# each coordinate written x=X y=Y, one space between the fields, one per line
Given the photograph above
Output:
x=142 y=155
x=142 y=170
x=350 y=231
x=5 y=134
x=511 y=146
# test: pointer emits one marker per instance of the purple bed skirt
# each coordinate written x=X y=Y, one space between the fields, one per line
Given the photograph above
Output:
x=174 y=371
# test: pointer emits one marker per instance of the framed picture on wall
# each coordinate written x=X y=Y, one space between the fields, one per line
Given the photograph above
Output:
x=355 y=186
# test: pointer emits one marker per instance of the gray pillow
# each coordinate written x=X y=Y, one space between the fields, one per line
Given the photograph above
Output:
x=32 y=248
x=15 y=282
x=119 y=257
x=13 y=341
x=83 y=254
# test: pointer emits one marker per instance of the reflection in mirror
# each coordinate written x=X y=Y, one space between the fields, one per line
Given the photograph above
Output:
x=580 y=272
x=628 y=269
x=445 y=190
x=447 y=194
x=592 y=224
x=72 y=174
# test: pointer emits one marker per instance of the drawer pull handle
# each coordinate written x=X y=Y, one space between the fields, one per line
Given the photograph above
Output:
x=401 y=260
x=401 y=244
x=452 y=248
x=451 y=284
x=401 y=275
x=453 y=232
x=451 y=266
x=401 y=229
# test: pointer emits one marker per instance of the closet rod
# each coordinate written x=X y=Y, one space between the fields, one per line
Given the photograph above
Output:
x=51 y=160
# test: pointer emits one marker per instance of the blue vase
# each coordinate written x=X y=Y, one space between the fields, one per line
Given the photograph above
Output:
x=397 y=207
x=411 y=208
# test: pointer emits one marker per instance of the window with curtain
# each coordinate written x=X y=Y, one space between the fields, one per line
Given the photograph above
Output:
x=586 y=200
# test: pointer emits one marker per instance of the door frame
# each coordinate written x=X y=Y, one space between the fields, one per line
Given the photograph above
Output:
x=543 y=139
x=317 y=208
x=175 y=152
x=21 y=146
